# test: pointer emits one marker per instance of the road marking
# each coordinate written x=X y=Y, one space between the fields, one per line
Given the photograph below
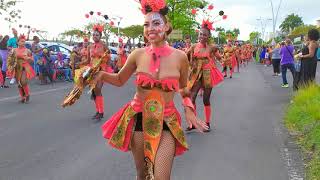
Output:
x=34 y=93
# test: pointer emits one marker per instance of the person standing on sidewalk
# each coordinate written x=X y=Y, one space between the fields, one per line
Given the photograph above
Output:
x=307 y=73
x=276 y=58
x=4 y=56
x=287 y=61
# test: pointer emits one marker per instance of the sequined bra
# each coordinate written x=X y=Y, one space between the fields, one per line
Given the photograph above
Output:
x=146 y=81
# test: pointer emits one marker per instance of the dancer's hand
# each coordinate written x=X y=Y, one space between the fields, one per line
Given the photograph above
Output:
x=195 y=121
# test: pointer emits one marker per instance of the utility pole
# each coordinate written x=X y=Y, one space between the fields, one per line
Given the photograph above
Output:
x=274 y=18
x=263 y=23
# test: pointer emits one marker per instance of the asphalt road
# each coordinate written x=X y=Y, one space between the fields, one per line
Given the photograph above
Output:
x=42 y=141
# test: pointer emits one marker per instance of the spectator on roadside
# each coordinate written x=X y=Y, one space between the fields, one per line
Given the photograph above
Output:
x=308 y=67
x=13 y=42
x=43 y=67
x=36 y=53
x=263 y=54
x=276 y=58
x=63 y=66
x=4 y=56
x=287 y=61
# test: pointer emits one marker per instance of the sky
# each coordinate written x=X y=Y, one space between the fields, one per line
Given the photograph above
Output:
x=60 y=15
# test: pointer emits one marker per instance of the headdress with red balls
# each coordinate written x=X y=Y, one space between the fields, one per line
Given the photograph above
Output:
x=159 y=6
x=96 y=18
x=208 y=19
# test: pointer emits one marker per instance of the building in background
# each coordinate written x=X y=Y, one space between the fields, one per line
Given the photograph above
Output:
x=318 y=22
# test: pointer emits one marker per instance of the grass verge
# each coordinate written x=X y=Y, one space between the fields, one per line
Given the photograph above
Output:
x=303 y=120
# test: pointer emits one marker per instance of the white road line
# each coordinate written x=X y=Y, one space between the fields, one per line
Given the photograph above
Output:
x=34 y=93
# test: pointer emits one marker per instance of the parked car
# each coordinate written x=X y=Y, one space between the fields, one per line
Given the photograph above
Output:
x=55 y=48
x=28 y=45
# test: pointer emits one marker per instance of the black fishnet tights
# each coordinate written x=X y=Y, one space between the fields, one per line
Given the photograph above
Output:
x=164 y=157
x=206 y=93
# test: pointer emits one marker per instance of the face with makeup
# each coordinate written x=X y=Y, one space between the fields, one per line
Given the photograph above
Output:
x=155 y=27
x=85 y=44
x=96 y=36
x=21 y=42
x=203 y=35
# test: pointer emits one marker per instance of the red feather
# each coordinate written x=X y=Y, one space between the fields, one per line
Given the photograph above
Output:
x=207 y=24
x=155 y=5
x=98 y=27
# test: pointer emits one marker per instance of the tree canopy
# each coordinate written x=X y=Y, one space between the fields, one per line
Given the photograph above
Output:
x=302 y=30
x=180 y=15
x=290 y=22
x=8 y=10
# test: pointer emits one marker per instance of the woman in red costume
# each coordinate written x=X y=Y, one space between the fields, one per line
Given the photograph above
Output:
x=19 y=67
x=95 y=52
x=150 y=125
x=229 y=58
x=204 y=73
x=122 y=57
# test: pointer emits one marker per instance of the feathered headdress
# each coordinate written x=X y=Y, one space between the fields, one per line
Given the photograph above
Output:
x=98 y=27
x=85 y=39
x=207 y=24
x=22 y=37
x=153 y=6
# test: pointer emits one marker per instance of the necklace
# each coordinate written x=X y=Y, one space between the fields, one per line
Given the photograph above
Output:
x=156 y=54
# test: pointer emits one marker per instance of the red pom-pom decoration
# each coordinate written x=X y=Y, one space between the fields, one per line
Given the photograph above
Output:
x=99 y=13
x=210 y=7
x=87 y=16
x=194 y=11
x=197 y=31
x=111 y=23
x=224 y=17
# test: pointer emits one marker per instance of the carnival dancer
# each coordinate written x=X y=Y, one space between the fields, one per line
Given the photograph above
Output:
x=228 y=58
x=84 y=52
x=150 y=125
x=18 y=65
x=122 y=57
x=95 y=52
x=75 y=59
x=238 y=56
x=243 y=55
x=204 y=73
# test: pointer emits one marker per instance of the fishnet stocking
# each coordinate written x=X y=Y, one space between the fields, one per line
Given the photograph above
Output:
x=164 y=157
x=195 y=90
x=206 y=96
